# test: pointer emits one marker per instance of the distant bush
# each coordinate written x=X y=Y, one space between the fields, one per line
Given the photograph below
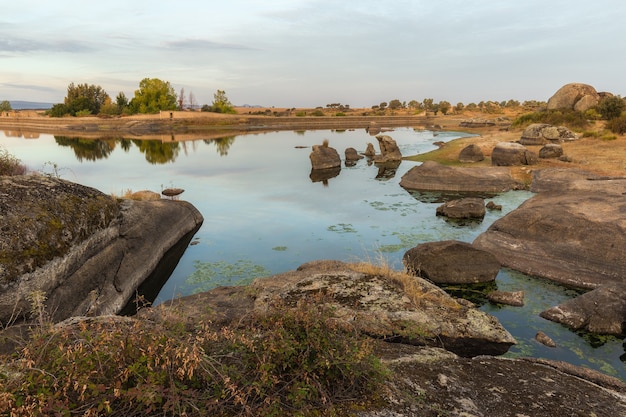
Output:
x=317 y=113
x=611 y=107
x=617 y=125
x=288 y=359
x=570 y=118
x=10 y=165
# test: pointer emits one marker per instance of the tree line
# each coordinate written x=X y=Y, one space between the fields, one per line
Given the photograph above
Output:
x=152 y=96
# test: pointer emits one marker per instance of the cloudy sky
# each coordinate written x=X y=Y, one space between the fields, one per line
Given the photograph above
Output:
x=296 y=53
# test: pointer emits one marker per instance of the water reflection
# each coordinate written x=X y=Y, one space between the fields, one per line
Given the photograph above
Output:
x=155 y=151
x=323 y=175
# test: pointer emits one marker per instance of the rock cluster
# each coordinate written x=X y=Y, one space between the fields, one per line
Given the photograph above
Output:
x=511 y=154
x=541 y=133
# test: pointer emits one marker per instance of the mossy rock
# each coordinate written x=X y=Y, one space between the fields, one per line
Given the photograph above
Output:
x=43 y=217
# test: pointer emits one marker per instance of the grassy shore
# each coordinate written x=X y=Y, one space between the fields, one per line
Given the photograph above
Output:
x=595 y=151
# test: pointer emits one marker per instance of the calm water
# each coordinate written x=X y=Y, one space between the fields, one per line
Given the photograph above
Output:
x=264 y=215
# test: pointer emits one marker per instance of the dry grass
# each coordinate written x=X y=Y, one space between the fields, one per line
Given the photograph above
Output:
x=416 y=290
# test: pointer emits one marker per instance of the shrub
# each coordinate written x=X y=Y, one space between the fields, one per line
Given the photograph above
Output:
x=570 y=118
x=284 y=361
x=10 y=165
x=611 y=107
x=317 y=113
x=617 y=125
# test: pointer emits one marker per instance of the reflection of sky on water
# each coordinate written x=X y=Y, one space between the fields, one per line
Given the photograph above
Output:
x=259 y=197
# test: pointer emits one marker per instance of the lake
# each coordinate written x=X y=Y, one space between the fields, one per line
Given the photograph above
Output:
x=263 y=214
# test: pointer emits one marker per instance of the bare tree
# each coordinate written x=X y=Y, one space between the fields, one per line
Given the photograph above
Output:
x=181 y=99
x=192 y=101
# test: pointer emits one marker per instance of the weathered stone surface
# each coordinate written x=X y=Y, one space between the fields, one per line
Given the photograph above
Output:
x=389 y=151
x=324 y=157
x=544 y=339
x=602 y=310
x=515 y=298
x=145 y=195
x=541 y=133
x=477 y=122
x=463 y=208
x=103 y=250
x=471 y=153
x=352 y=155
x=451 y=262
x=369 y=150
x=559 y=180
x=430 y=382
x=577 y=238
x=432 y=176
x=511 y=154
x=493 y=206
x=370 y=299
x=551 y=150
x=574 y=96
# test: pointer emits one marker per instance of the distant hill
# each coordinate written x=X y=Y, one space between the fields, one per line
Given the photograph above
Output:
x=29 y=105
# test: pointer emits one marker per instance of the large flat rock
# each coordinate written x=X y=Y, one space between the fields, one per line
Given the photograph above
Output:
x=577 y=238
x=433 y=176
x=81 y=250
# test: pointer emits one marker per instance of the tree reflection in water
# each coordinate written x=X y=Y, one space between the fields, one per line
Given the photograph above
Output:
x=88 y=149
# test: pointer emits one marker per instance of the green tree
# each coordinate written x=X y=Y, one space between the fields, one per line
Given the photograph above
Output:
x=395 y=104
x=444 y=107
x=153 y=96
x=121 y=101
x=220 y=104
x=611 y=107
x=83 y=98
x=428 y=104
x=5 y=105
x=59 y=110
x=459 y=107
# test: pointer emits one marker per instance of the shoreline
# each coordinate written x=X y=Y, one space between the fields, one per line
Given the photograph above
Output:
x=586 y=153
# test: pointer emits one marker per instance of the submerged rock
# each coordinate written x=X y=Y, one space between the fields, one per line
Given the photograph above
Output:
x=601 y=311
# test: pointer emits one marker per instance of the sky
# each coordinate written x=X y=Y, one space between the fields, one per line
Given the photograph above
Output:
x=308 y=53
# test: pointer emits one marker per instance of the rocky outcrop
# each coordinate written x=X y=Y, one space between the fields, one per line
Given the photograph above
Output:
x=574 y=96
x=451 y=262
x=560 y=180
x=463 y=208
x=512 y=154
x=384 y=304
x=83 y=251
x=541 y=133
x=369 y=150
x=324 y=157
x=432 y=176
x=602 y=311
x=477 y=122
x=471 y=153
x=389 y=151
x=431 y=382
x=577 y=238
